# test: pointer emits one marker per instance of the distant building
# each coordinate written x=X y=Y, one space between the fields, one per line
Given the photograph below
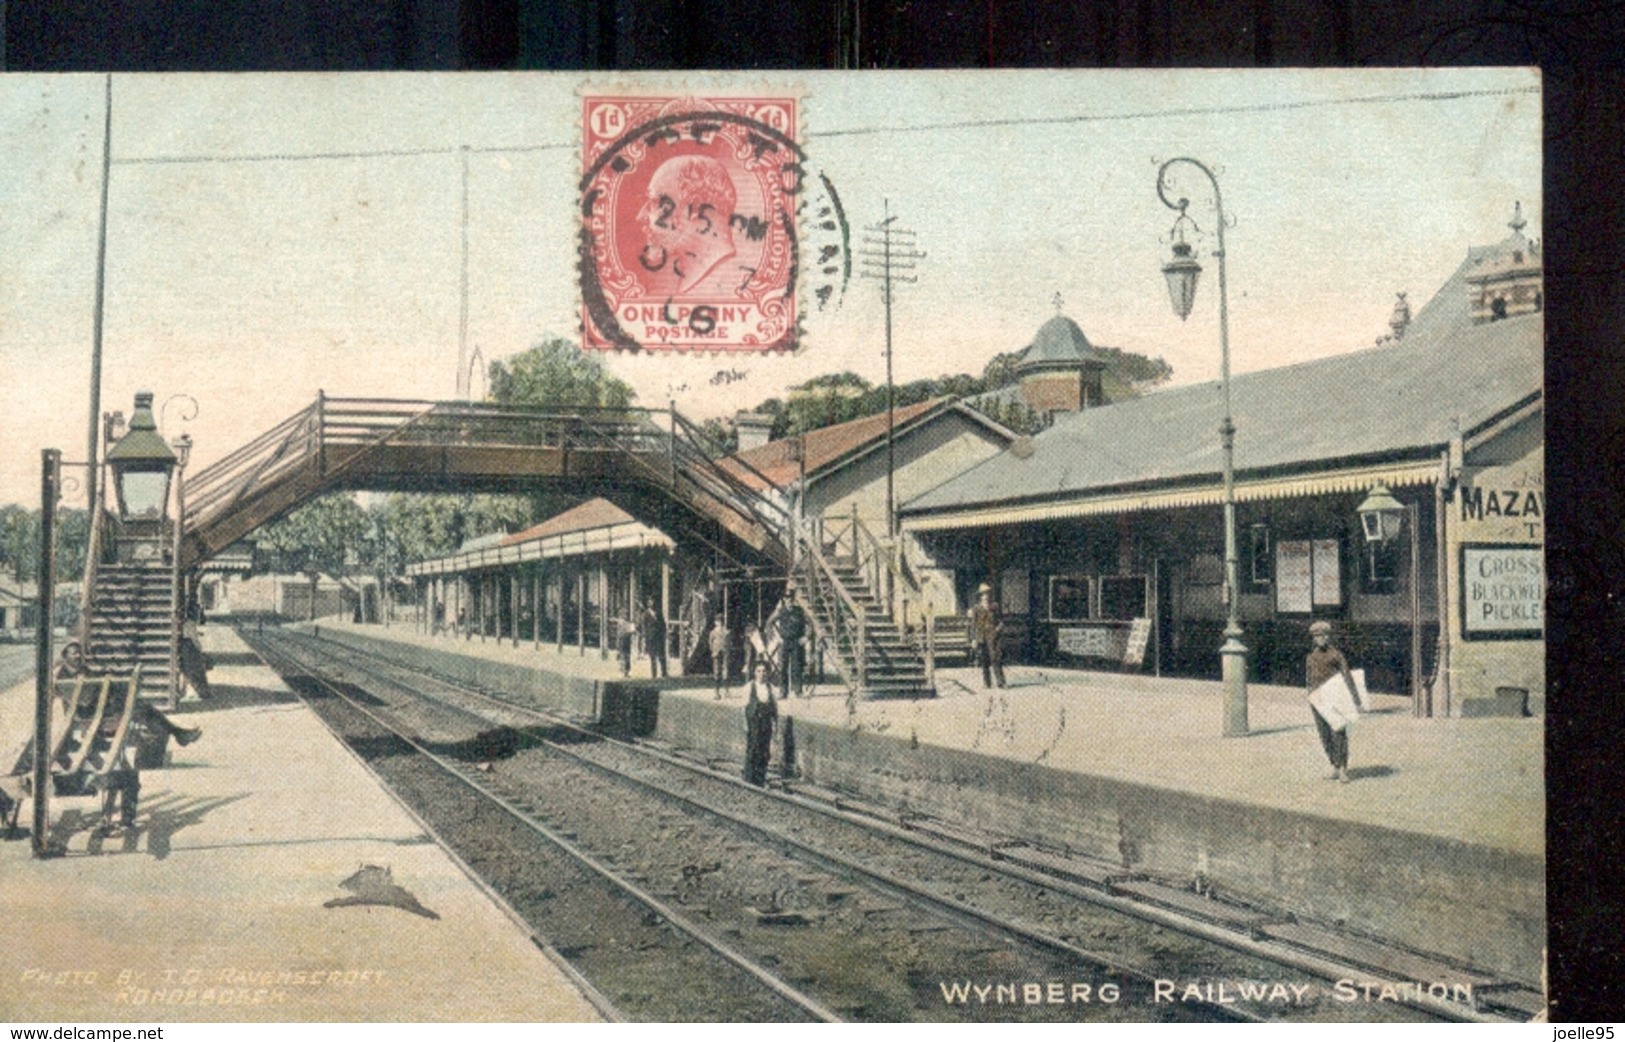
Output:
x=287 y=597
x=571 y=580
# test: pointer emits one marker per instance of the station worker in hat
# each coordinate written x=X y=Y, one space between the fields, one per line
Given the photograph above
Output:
x=986 y=629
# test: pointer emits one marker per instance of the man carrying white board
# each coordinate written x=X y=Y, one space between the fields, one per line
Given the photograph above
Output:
x=1333 y=704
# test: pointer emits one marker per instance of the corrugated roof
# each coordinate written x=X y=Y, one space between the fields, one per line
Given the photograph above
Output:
x=825 y=445
x=480 y=542
x=1379 y=402
x=594 y=513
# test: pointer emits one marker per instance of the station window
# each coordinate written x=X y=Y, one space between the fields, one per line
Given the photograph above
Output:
x=1122 y=597
x=1259 y=570
x=1069 y=598
x=1106 y=598
x=1382 y=566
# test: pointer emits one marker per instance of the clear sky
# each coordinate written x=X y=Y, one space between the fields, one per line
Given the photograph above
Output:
x=272 y=235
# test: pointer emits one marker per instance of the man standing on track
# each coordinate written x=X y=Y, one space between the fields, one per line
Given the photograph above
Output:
x=760 y=716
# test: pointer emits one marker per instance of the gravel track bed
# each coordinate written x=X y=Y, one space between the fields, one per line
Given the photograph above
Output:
x=645 y=967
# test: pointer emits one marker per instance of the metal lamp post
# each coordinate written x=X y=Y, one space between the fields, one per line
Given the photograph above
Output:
x=183 y=452
x=1381 y=518
x=1181 y=272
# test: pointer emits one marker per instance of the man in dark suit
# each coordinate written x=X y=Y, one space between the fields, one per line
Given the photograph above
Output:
x=792 y=627
x=653 y=628
x=986 y=630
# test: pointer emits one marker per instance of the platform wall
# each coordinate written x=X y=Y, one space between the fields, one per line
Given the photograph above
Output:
x=574 y=696
x=1483 y=906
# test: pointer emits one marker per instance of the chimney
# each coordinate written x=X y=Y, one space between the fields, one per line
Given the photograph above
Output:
x=1400 y=320
x=754 y=429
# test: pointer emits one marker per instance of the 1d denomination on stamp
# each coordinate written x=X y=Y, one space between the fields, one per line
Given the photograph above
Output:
x=689 y=209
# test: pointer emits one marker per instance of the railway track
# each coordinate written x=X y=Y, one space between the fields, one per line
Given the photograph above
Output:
x=889 y=918
x=614 y=934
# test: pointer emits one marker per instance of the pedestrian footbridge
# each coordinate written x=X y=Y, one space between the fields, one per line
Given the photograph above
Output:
x=653 y=463
x=650 y=462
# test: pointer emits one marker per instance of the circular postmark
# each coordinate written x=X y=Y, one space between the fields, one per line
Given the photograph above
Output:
x=697 y=217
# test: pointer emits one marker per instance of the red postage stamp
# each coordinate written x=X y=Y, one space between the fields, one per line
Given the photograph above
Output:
x=689 y=207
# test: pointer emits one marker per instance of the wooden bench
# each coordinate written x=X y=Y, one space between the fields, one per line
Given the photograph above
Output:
x=92 y=723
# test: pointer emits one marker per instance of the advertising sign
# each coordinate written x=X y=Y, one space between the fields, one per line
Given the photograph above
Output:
x=1503 y=591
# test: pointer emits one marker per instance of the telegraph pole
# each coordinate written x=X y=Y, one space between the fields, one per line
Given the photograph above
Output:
x=464 y=380
x=889 y=254
x=44 y=667
x=93 y=436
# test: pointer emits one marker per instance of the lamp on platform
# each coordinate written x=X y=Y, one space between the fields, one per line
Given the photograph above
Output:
x=1382 y=517
x=1182 y=271
x=142 y=464
x=1380 y=514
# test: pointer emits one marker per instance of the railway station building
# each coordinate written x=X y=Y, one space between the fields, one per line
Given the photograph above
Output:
x=567 y=581
x=841 y=474
x=1108 y=524
x=564 y=582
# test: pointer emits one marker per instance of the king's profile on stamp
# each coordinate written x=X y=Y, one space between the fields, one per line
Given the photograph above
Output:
x=689 y=210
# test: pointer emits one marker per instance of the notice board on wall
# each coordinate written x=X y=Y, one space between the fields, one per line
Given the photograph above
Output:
x=1089 y=641
x=1294 y=577
x=1308 y=575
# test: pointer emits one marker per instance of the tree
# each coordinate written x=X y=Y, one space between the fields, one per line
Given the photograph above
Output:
x=72 y=543
x=553 y=374
x=721 y=439
x=19 y=542
x=557 y=373
x=825 y=400
x=321 y=536
x=1129 y=375
x=426 y=525
x=1000 y=371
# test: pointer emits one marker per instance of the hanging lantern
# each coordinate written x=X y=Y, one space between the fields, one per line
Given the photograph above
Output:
x=142 y=464
x=1181 y=272
x=1380 y=514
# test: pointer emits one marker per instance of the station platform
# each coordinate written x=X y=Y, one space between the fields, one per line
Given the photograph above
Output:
x=212 y=909
x=1477 y=781
x=1438 y=842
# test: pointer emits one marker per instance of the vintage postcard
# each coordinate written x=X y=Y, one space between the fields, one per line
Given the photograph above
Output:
x=773 y=546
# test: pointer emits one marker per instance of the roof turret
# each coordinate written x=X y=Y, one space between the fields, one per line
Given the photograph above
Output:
x=1059 y=343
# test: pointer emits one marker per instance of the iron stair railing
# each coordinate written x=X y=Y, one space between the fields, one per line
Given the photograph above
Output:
x=902 y=595
x=837 y=620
